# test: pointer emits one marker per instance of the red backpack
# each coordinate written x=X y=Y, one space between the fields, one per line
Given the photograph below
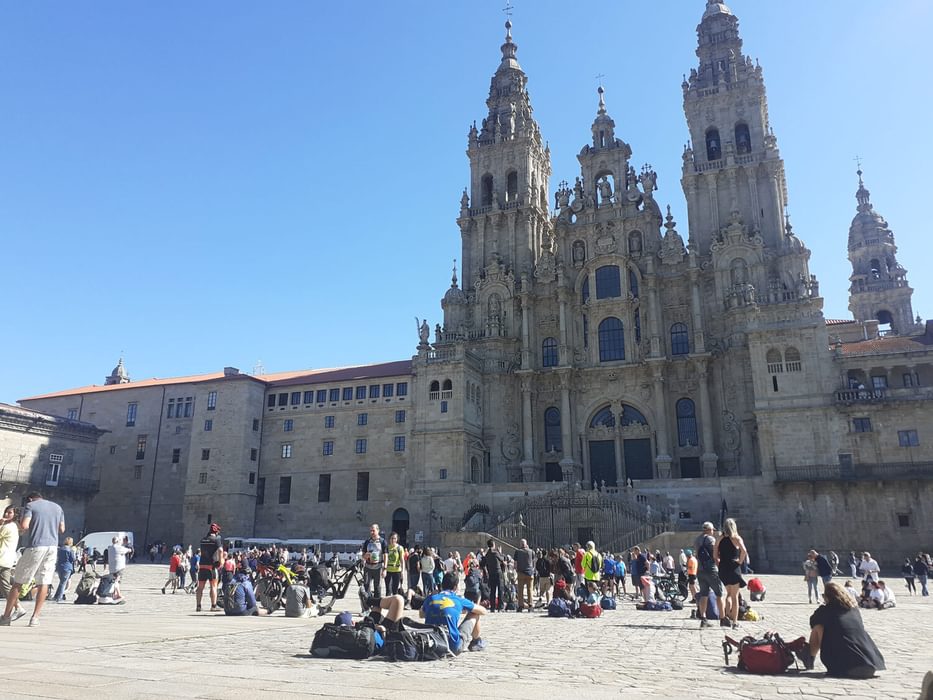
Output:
x=769 y=655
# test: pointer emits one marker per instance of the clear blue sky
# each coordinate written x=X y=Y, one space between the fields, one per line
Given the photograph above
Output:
x=200 y=184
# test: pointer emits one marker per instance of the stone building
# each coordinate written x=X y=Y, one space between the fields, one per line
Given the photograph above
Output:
x=589 y=346
x=52 y=455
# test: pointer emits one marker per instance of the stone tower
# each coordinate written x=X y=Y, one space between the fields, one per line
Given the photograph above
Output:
x=732 y=163
x=118 y=375
x=879 y=288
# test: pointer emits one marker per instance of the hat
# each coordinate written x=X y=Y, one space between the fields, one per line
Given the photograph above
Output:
x=215 y=528
x=344 y=619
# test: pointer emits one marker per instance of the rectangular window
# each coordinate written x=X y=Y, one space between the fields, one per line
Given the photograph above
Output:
x=113 y=449
x=374 y=391
x=323 y=488
x=328 y=448
x=202 y=478
x=255 y=424
x=361 y=446
x=879 y=382
x=401 y=389
x=400 y=416
x=285 y=489
x=362 y=486
x=253 y=454
x=286 y=450
x=903 y=520
x=252 y=477
x=908 y=379
x=908 y=438
x=288 y=426
x=211 y=400
x=861 y=425
x=189 y=406
x=309 y=397
x=205 y=454
x=131 y=414
x=362 y=419
x=72 y=414
x=138 y=471
x=360 y=392
x=208 y=425
x=443 y=407
x=387 y=390
x=270 y=402
x=399 y=443
x=170 y=413
x=296 y=398
x=443 y=474
x=334 y=395
x=176 y=456
x=328 y=421
x=260 y=490
x=348 y=393
x=141 y=447
x=321 y=395
x=283 y=399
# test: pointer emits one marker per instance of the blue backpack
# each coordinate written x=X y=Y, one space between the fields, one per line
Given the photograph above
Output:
x=712 y=608
x=608 y=603
x=558 y=608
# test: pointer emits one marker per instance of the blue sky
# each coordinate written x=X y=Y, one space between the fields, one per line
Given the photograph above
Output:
x=217 y=183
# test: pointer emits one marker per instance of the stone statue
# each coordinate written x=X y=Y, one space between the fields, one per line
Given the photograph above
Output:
x=424 y=332
x=605 y=190
x=578 y=189
x=437 y=333
x=465 y=200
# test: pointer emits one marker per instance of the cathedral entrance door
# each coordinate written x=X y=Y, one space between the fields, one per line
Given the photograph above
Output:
x=553 y=472
x=637 y=455
x=400 y=521
x=603 y=462
x=690 y=468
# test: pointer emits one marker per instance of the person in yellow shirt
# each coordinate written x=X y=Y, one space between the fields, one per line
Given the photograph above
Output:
x=395 y=560
x=592 y=562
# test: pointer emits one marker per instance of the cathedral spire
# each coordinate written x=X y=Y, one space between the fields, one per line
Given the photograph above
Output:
x=862 y=195
x=603 y=125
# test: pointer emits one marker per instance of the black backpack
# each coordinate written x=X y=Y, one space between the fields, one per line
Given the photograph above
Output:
x=596 y=562
x=105 y=588
x=230 y=607
x=416 y=641
x=705 y=555
x=343 y=642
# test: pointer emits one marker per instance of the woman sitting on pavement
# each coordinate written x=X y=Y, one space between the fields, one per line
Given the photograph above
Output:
x=838 y=636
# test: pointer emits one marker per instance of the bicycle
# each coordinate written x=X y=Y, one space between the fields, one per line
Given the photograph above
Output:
x=668 y=588
x=325 y=592
x=273 y=585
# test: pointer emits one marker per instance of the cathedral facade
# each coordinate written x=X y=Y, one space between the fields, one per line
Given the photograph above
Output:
x=588 y=344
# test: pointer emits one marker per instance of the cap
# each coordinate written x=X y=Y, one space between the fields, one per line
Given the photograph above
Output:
x=344 y=619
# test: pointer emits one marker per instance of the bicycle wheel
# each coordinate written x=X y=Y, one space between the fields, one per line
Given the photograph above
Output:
x=269 y=593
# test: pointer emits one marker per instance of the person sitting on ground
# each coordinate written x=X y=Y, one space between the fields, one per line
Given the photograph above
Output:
x=840 y=639
x=850 y=589
x=473 y=582
x=298 y=601
x=240 y=598
x=881 y=596
x=756 y=589
x=444 y=609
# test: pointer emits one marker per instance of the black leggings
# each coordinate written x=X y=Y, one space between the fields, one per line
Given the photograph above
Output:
x=393 y=582
x=495 y=592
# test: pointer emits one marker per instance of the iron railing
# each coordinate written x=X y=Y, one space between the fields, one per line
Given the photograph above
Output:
x=855 y=472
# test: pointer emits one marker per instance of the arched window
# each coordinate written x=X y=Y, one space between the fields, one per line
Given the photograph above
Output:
x=713 y=145
x=686 y=423
x=511 y=186
x=552 y=437
x=476 y=474
x=608 y=282
x=635 y=243
x=486 y=197
x=448 y=385
x=680 y=339
x=611 y=340
x=775 y=364
x=604 y=417
x=435 y=386
x=549 y=352
x=743 y=140
x=632 y=416
x=875 y=268
x=792 y=360
x=585 y=291
x=633 y=283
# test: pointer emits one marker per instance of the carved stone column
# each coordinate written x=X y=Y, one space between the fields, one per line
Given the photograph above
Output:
x=562 y=297
x=663 y=459
x=709 y=459
x=566 y=424
x=527 y=465
x=699 y=336
x=654 y=310
x=525 y=298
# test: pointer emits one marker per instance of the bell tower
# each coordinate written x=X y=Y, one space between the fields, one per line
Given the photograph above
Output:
x=879 y=288
x=504 y=217
x=732 y=163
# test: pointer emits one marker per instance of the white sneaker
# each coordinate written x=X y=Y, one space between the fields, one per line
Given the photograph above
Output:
x=17 y=613
x=33 y=622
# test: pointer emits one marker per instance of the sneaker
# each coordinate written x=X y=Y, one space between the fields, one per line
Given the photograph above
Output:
x=214 y=608
x=705 y=623
x=18 y=613
x=163 y=591
x=725 y=623
x=4 y=621
x=477 y=645
x=198 y=609
x=33 y=622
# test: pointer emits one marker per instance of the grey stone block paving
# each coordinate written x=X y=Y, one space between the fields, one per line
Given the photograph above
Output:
x=157 y=646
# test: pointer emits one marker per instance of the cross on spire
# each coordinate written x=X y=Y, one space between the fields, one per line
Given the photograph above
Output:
x=508 y=9
x=599 y=78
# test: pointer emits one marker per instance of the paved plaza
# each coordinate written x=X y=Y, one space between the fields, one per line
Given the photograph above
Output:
x=157 y=646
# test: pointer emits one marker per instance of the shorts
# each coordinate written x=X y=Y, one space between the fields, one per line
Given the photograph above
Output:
x=207 y=574
x=691 y=578
x=36 y=563
x=709 y=581
x=466 y=634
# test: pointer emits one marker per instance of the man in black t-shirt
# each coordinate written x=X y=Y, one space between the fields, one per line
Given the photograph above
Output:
x=492 y=564
x=212 y=559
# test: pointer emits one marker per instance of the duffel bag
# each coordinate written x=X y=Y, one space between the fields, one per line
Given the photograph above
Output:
x=343 y=642
x=607 y=603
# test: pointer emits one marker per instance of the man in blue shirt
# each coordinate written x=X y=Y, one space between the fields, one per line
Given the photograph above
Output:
x=243 y=600
x=444 y=610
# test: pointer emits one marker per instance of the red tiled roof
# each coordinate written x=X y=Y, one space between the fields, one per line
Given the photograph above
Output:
x=888 y=344
x=302 y=376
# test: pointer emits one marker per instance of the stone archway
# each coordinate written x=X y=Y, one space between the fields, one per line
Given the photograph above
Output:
x=400 y=521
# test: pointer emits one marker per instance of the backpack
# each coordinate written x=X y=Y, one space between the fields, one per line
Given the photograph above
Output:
x=84 y=591
x=607 y=603
x=590 y=610
x=712 y=608
x=770 y=655
x=558 y=608
x=342 y=642
x=230 y=606
x=705 y=556
x=399 y=645
x=414 y=641
x=105 y=587
x=596 y=563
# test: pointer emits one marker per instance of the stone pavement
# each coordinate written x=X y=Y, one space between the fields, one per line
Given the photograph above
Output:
x=157 y=646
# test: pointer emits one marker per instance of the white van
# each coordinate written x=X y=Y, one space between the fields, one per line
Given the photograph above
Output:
x=101 y=540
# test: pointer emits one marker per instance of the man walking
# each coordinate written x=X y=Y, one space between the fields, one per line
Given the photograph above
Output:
x=374 y=561
x=525 y=568
x=42 y=522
